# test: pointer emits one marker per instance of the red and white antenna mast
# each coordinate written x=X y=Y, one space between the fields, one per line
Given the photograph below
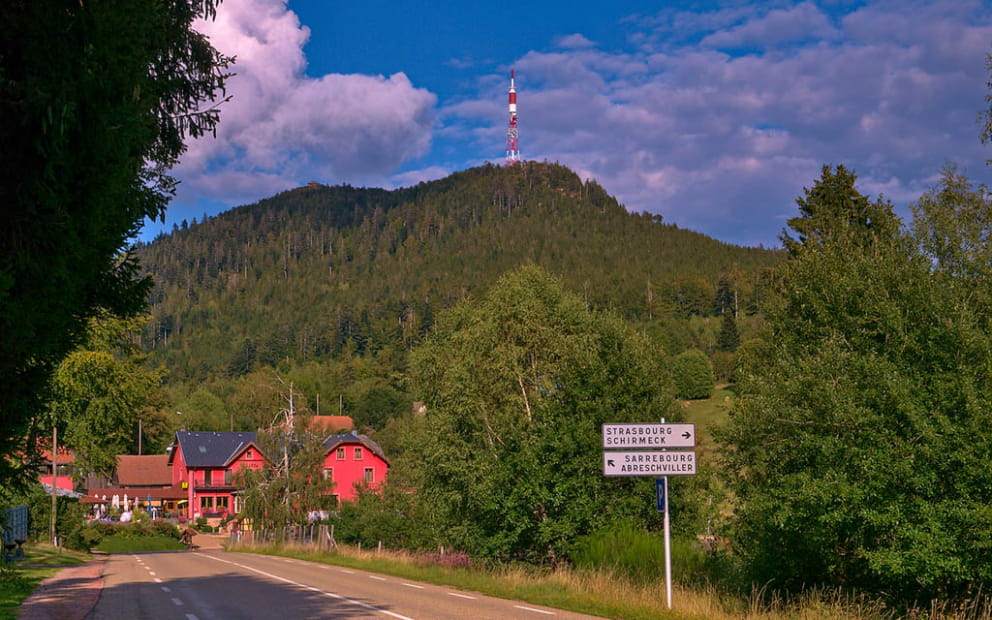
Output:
x=512 y=143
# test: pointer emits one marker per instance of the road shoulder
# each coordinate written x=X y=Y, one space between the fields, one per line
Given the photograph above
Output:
x=69 y=594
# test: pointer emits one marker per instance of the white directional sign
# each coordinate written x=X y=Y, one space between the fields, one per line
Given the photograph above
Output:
x=676 y=463
x=649 y=435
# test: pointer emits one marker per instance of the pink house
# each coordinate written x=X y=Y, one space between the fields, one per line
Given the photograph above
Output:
x=352 y=461
x=204 y=463
x=64 y=462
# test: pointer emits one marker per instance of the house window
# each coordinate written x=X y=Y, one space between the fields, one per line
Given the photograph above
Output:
x=369 y=474
x=329 y=473
x=227 y=477
x=208 y=478
x=340 y=454
x=358 y=454
x=221 y=503
x=248 y=454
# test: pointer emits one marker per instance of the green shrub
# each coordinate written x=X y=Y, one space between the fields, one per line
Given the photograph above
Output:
x=693 y=375
x=639 y=555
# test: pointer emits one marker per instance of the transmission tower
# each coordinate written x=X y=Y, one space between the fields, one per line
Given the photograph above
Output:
x=512 y=143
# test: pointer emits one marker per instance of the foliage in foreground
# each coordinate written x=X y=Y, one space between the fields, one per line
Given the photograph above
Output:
x=97 y=99
x=858 y=454
x=517 y=386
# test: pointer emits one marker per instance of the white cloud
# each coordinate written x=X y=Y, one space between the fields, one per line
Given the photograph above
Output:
x=283 y=126
x=724 y=143
x=793 y=24
x=574 y=41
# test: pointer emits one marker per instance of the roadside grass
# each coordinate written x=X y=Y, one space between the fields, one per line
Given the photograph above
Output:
x=133 y=544
x=599 y=593
x=19 y=579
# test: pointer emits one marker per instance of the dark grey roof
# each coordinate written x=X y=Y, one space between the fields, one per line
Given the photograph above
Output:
x=353 y=437
x=212 y=449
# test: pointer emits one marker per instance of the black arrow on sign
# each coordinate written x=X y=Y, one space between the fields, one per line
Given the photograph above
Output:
x=686 y=435
x=610 y=463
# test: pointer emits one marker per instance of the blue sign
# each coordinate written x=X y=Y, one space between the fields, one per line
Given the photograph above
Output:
x=659 y=488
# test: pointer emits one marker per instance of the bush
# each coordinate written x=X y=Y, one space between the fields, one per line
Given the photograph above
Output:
x=693 y=375
x=639 y=555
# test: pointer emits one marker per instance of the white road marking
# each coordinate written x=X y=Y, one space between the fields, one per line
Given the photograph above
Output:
x=152 y=573
x=166 y=589
x=311 y=588
x=413 y=585
x=157 y=580
x=377 y=577
x=538 y=611
x=191 y=617
x=461 y=595
x=350 y=572
x=177 y=602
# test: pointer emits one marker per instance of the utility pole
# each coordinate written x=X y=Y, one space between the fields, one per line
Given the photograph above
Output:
x=55 y=475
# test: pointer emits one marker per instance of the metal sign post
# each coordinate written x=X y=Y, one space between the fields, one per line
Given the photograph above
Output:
x=668 y=549
x=658 y=462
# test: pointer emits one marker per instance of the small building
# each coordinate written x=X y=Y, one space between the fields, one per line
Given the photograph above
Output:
x=352 y=461
x=204 y=464
x=146 y=480
x=62 y=473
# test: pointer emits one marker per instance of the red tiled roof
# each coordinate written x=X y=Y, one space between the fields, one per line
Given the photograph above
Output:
x=331 y=423
x=144 y=471
x=65 y=455
x=96 y=496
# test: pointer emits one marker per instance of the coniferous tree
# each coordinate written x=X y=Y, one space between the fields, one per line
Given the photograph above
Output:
x=729 y=339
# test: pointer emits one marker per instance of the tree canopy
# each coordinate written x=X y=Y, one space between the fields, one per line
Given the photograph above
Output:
x=516 y=386
x=99 y=393
x=858 y=448
x=96 y=101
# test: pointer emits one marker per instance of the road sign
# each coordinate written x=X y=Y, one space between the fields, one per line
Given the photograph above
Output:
x=649 y=436
x=659 y=492
x=675 y=463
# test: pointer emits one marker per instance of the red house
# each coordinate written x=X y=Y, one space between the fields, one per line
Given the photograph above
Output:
x=64 y=462
x=351 y=461
x=204 y=463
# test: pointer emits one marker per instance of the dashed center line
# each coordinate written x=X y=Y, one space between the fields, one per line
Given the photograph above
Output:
x=311 y=588
x=157 y=580
x=378 y=578
x=177 y=602
x=166 y=589
x=461 y=595
x=537 y=611
x=191 y=617
x=413 y=585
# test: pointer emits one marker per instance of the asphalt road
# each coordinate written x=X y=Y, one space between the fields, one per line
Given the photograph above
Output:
x=208 y=585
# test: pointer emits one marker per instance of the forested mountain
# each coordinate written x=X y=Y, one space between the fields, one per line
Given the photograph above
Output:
x=319 y=273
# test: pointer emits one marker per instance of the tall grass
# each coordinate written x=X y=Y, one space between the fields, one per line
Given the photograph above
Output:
x=638 y=555
x=611 y=594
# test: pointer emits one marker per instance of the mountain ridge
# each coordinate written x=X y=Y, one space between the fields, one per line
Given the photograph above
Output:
x=319 y=271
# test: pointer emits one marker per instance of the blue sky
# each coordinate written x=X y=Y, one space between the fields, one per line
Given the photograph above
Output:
x=714 y=115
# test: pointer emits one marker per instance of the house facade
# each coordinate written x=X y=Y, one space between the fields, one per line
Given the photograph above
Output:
x=145 y=480
x=203 y=465
x=62 y=473
x=352 y=461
